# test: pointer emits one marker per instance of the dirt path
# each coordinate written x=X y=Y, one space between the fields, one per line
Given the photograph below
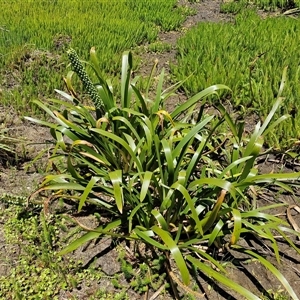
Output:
x=205 y=11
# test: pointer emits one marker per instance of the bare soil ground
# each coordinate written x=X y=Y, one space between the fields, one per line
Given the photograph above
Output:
x=15 y=178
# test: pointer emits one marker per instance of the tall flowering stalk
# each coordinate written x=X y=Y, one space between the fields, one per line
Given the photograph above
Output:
x=88 y=85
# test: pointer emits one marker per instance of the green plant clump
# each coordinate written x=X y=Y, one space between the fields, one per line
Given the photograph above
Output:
x=248 y=56
x=164 y=178
x=235 y=6
x=273 y=4
x=159 y=47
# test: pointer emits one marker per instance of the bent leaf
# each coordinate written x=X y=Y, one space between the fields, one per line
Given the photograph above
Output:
x=164 y=235
x=272 y=269
x=223 y=279
x=86 y=192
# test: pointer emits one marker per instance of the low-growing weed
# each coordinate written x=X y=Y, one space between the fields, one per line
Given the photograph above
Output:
x=276 y=295
x=35 y=271
x=145 y=273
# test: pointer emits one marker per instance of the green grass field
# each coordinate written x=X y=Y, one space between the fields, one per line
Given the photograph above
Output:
x=34 y=37
x=249 y=55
